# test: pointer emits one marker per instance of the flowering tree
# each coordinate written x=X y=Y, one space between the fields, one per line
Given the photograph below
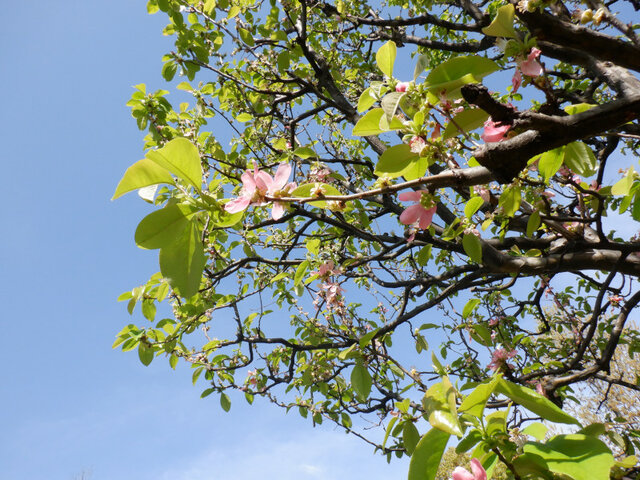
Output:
x=381 y=235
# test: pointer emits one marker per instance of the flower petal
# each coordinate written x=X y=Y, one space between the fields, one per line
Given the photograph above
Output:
x=411 y=214
x=410 y=196
x=238 y=204
x=248 y=183
x=516 y=81
x=282 y=175
x=426 y=216
x=479 y=472
x=460 y=473
x=263 y=181
x=277 y=211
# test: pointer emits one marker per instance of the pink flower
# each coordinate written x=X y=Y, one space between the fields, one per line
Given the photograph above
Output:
x=280 y=187
x=494 y=131
x=258 y=184
x=479 y=472
x=417 y=144
x=422 y=212
x=402 y=86
x=499 y=359
x=516 y=81
x=332 y=294
x=483 y=192
x=326 y=270
x=531 y=66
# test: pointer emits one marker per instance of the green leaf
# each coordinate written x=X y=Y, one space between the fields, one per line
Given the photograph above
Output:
x=182 y=262
x=467 y=120
x=386 y=57
x=284 y=61
x=578 y=108
x=410 y=437
x=510 y=200
x=395 y=160
x=309 y=189
x=537 y=430
x=145 y=353
x=366 y=101
x=233 y=12
x=300 y=272
x=580 y=457
x=427 y=455
x=390 y=102
x=580 y=158
x=369 y=124
x=225 y=402
x=469 y=441
x=361 y=381
x=142 y=174
x=392 y=422
x=244 y=117
x=472 y=206
x=169 y=70
x=222 y=219
x=458 y=71
x=475 y=402
x=534 y=402
x=533 y=223
x=623 y=186
x=366 y=338
x=440 y=406
x=181 y=158
x=470 y=307
x=472 y=247
x=305 y=152
x=502 y=25
x=416 y=169
x=421 y=64
x=550 y=162
x=163 y=227
x=246 y=36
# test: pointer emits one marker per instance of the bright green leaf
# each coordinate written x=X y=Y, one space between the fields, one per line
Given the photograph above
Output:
x=502 y=25
x=141 y=174
x=580 y=158
x=470 y=307
x=537 y=430
x=386 y=57
x=369 y=124
x=510 y=200
x=145 y=353
x=163 y=227
x=467 y=120
x=550 y=162
x=361 y=381
x=427 y=455
x=472 y=206
x=395 y=160
x=182 y=262
x=225 y=402
x=410 y=437
x=390 y=103
x=181 y=158
x=366 y=101
x=472 y=247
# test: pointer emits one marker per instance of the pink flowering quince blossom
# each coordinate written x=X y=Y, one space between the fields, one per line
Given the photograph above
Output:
x=494 y=131
x=499 y=359
x=479 y=472
x=422 y=212
x=257 y=185
x=402 y=86
x=530 y=67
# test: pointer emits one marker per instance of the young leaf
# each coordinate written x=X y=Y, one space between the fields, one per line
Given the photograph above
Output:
x=182 y=262
x=309 y=189
x=550 y=162
x=502 y=25
x=162 y=227
x=580 y=457
x=580 y=158
x=181 y=158
x=472 y=247
x=142 y=174
x=427 y=455
x=534 y=402
x=390 y=102
x=467 y=120
x=410 y=437
x=458 y=71
x=145 y=353
x=510 y=200
x=225 y=402
x=386 y=57
x=421 y=64
x=366 y=100
x=395 y=160
x=369 y=124
x=361 y=381
x=533 y=223
x=472 y=206
x=300 y=272
x=475 y=402
x=470 y=307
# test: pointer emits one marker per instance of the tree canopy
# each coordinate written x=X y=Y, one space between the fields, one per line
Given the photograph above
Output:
x=414 y=214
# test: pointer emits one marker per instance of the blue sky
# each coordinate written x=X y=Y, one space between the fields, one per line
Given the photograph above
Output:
x=69 y=403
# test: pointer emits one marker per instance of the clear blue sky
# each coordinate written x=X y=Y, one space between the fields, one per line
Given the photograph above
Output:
x=69 y=403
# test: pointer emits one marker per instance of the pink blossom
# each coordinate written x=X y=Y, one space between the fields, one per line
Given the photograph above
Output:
x=326 y=270
x=494 y=131
x=252 y=377
x=516 y=81
x=280 y=187
x=479 y=472
x=422 y=212
x=540 y=389
x=332 y=294
x=531 y=66
x=615 y=299
x=499 y=359
x=402 y=86
x=417 y=144
x=483 y=192
x=258 y=184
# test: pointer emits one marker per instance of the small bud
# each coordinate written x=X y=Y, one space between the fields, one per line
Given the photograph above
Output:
x=600 y=14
